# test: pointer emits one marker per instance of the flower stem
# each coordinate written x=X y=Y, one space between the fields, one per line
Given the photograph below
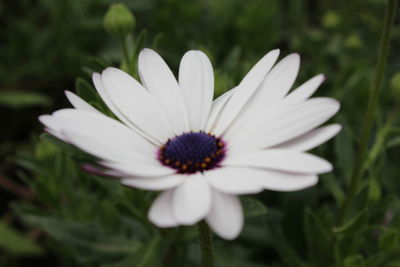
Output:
x=390 y=12
x=125 y=52
x=206 y=244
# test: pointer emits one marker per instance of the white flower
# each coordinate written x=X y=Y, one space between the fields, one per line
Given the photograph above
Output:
x=172 y=137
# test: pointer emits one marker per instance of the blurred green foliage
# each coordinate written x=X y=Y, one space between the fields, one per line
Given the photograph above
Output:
x=51 y=212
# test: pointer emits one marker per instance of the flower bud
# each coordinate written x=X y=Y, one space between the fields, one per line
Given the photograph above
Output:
x=119 y=21
x=331 y=20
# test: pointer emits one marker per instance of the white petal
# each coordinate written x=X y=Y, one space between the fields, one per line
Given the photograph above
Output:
x=162 y=85
x=154 y=183
x=136 y=104
x=277 y=180
x=304 y=91
x=96 y=170
x=138 y=168
x=279 y=159
x=245 y=90
x=191 y=200
x=51 y=130
x=271 y=91
x=78 y=102
x=311 y=139
x=99 y=85
x=279 y=80
x=232 y=181
x=107 y=139
x=98 y=148
x=226 y=215
x=99 y=127
x=216 y=109
x=291 y=121
x=118 y=159
x=161 y=211
x=196 y=80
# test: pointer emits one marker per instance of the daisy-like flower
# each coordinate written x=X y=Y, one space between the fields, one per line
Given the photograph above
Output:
x=201 y=154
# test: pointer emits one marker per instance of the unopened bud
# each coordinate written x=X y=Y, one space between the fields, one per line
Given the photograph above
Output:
x=331 y=19
x=119 y=21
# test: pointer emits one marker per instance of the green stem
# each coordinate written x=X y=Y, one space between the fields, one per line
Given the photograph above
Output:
x=390 y=12
x=125 y=52
x=206 y=244
x=379 y=144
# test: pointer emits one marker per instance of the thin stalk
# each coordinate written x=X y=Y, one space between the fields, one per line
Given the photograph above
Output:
x=125 y=53
x=380 y=142
x=376 y=89
x=206 y=244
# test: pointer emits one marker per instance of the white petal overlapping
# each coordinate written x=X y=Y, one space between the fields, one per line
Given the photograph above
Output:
x=282 y=125
x=312 y=138
x=231 y=181
x=245 y=90
x=79 y=103
x=137 y=104
x=265 y=129
x=154 y=183
x=191 y=201
x=270 y=91
x=163 y=87
x=101 y=90
x=280 y=160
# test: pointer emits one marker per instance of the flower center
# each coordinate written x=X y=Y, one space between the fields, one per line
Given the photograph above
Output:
x=192 y=152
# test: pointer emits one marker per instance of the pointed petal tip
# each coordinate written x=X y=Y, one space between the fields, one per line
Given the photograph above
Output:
x=294 y=56
x=275 y=51
x=96 y=75
x=328 y=167
x=146 y=51
x=159 y=223
x=229 y=236
x=337 y=105
x=110 y=69
x=43 y=118
x=336 y=128
x=69 y=95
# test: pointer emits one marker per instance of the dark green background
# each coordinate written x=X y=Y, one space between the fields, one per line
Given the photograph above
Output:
x=45 y=45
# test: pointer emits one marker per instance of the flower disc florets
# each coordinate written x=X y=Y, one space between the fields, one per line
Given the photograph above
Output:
x=192 y=152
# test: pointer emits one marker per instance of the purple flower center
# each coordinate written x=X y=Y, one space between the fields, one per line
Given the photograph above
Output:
x=192 y=152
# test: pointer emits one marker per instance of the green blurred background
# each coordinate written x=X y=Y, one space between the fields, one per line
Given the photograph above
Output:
x=45 y=45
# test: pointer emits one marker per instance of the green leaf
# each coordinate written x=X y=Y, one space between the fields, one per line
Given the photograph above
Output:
x=85 y=90
x=344 y=148
x=394 y=142
x=16 y=243
x=89 y=238
x=354 y=261
x=374 y=190
x=19 y=99
x=354 y=224
x=317 y=232
x=331 y=183
x=253 y=207
x=390 y=240
x=150 y=255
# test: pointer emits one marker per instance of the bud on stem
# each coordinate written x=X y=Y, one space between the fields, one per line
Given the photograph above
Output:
x=119 y=21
